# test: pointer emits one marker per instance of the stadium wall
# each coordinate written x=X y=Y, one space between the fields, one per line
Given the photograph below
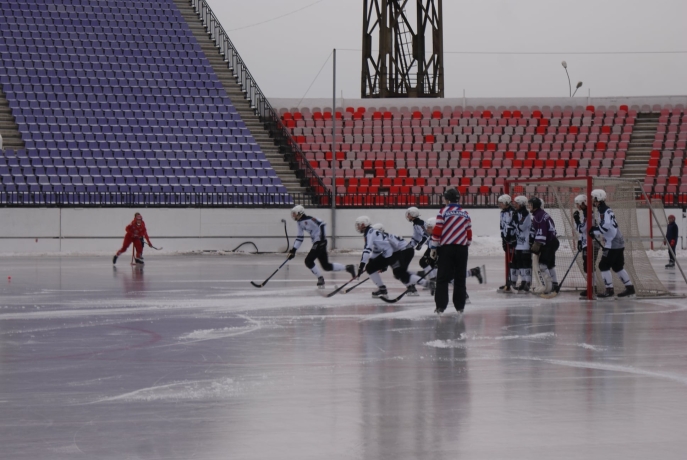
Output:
x=289 y=103
x=101 y=230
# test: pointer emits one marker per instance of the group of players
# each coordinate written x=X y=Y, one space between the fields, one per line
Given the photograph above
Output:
x=383 y=250
x=530 y=235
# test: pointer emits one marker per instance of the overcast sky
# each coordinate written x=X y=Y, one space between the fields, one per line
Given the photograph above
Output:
x=284 y=55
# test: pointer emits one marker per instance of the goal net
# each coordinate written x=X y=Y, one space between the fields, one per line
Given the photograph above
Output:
x=558 y=195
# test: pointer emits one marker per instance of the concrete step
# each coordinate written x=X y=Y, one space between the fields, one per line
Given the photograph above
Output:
x=238 y=98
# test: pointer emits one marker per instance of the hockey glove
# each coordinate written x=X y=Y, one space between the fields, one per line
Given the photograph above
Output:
x=672 y=242
x=594 y=231
x=361 y=268
x=433 y=254
x=418 y=247
x=292 y=253
x=536 y=247
x=579 y=245
x=576 y=217
x=504 y=245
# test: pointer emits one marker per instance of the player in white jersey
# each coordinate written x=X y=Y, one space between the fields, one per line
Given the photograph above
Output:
x=316 y=228
x=389 y=251
x=613 y=255
x=508 y=243
x=520 y=226
x=580 y=218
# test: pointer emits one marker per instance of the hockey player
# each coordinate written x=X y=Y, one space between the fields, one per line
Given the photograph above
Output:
x=508 y=242
x=544 y=241
x=580 y=218
x=451 y=238
x=613 y=257
x=520 y=226
x=316 y=228
x=419 y=228
x=671 y=239
x=384 y=250
x=135 y=233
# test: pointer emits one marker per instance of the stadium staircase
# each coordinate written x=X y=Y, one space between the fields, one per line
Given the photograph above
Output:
x=11 y=138
x=639 y=150
x=238 y=97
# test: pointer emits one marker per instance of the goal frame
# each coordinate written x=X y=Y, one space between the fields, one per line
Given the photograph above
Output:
x=588 y=219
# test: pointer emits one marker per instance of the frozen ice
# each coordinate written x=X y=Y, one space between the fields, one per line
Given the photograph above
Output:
x=184 y=359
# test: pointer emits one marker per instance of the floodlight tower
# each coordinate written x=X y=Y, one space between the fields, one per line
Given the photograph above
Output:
x=408 y=63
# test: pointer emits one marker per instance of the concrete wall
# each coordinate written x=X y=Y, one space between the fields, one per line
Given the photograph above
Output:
x=101 y=230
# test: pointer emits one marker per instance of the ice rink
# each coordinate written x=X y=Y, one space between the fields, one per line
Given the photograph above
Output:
x=184 y=359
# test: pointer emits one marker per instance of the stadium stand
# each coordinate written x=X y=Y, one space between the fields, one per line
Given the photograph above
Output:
x=118 y=97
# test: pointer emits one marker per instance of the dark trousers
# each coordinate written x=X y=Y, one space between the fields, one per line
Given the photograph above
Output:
x=670 y=254
x=452 y=265
x=318 y=252
x=400 y=265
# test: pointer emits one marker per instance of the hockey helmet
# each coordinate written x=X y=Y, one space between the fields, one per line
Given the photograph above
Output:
x=599 y=194
x=430 y=223
x=581 y=199
x=412 y=213
x=505 y=199
x=378 y=226
x=451 y=195
x=361 y=223
x=535 y=202
x=521 y=200
x=297 y=212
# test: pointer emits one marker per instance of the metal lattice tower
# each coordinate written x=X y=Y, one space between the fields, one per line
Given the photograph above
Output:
x=408 y=63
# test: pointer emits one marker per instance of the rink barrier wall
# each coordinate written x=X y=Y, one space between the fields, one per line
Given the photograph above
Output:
x=101 y=230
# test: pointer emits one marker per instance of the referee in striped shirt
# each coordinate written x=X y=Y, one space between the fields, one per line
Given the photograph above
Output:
x=450 y=240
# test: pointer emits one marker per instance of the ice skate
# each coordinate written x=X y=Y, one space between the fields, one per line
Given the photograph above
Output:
x=670 y=265
x=432 y=287
x=351 y=269
x=583 y=295
x=114 y=259
x=477 y=273
x=381 y=292
x=139 y=260
x=524 y=288
x=554 y=287
x=467 y=299
x=320 y=282
x=629 y=292
x=608 y=294
x=505 y=289
x=438 y=312
x=412 y=291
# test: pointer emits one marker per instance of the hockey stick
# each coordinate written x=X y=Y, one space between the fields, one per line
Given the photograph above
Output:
x=337 y=290
x=356 y=285
x=396 y=299
x=269 y=277
x=555 y=292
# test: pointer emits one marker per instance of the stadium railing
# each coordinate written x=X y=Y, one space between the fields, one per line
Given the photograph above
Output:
x=258 y=100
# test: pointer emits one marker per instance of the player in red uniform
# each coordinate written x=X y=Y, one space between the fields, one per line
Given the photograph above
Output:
x=135 y=233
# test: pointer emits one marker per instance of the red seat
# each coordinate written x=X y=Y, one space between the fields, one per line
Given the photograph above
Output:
x=417 y=115
x=436 y=114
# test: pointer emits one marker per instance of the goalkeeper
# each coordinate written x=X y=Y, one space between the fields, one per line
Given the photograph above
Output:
x=544 y=242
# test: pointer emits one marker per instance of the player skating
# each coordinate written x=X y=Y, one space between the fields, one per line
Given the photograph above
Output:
x=613 y=255
x=135 y=233
x=544 y=244
x=384 y=250
x=671 y=239
x=520 y=226
x=508 y=243
x=451 y=238
x=316 y=228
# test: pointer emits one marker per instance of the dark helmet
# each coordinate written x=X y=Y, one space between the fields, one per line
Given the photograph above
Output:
x=451 y=195
x=534 y=202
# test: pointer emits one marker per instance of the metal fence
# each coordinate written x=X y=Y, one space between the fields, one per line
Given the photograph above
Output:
x=279 y=132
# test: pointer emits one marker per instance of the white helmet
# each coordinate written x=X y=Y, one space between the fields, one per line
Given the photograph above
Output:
x=599 y=195
x=378 y=226
x=412 y=213
x=521 y=200
x=297 y=212
x=361 y=223
x=581 y=199
x=505 y=199
x=430 y=223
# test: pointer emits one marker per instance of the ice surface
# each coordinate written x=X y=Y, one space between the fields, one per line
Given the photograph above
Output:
x=184 y=359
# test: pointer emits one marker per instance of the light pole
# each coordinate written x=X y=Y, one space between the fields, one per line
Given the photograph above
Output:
x=579 y=83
